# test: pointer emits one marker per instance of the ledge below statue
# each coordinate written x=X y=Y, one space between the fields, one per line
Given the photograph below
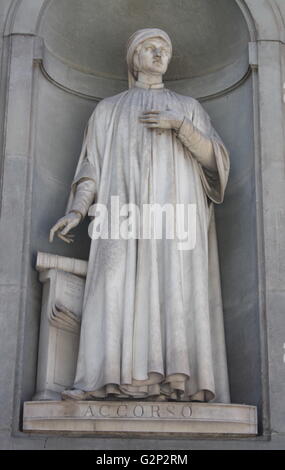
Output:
x=117 y=417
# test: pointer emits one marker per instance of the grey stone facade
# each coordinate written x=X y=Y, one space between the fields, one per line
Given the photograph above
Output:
x=53 y=72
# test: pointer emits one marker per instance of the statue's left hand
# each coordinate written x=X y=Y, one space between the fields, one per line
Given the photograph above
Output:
x=168 y=119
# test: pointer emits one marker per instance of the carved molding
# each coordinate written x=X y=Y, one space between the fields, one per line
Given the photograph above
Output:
x=263 y=18
x=93 y=87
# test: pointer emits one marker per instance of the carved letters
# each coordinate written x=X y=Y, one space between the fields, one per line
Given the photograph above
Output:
x=136 y=411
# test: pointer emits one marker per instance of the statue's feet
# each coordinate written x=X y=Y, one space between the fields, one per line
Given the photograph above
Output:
x=73 y=395
x=160 y=397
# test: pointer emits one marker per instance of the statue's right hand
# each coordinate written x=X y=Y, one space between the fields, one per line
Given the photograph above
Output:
x=63 y=227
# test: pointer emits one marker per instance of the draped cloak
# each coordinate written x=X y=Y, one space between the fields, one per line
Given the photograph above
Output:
x=152 y=321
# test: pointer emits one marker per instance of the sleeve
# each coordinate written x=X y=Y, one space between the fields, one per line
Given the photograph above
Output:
x=203 y=142
x=197 y=143
x=84 y=197
x=86 y=178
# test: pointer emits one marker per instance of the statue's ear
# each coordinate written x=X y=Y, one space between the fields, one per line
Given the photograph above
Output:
x=136 y=62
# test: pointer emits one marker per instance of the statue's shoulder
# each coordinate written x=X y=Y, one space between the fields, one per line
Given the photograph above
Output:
x=186 y=100
x=111 y=101
x=104 y=108
x=192 y=107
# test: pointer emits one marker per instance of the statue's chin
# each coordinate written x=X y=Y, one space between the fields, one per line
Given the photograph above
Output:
x=158 y=69
x=155 y=69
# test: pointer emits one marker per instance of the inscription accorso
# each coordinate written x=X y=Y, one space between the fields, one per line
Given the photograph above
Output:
x=137 y=411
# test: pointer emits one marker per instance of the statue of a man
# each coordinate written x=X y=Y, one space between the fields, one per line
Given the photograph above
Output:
x=152 y=322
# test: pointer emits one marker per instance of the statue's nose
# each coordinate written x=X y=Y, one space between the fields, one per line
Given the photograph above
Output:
x=157 y=52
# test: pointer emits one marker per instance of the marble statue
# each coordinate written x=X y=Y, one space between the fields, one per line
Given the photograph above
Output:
x=152 y=322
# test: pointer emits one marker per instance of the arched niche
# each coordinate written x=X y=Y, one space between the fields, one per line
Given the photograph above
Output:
x=83 y=61
x=92 y=61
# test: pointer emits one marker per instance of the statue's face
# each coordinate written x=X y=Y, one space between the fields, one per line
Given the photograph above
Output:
x=152 y=56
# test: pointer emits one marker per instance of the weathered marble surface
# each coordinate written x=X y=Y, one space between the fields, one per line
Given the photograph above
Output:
x=60 y=326
x=139 y=417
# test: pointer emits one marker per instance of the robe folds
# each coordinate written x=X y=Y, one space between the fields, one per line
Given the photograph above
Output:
x=152 y=322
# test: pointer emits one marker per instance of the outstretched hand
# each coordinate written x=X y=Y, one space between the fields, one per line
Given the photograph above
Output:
x=63 y=227
x=167 y=119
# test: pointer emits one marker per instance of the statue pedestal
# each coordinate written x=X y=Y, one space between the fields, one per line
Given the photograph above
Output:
x=118 y=417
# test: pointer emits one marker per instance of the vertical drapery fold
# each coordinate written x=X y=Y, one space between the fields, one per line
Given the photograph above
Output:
x=152 y=317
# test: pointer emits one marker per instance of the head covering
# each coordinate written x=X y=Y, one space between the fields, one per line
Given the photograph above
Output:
x=135 y=40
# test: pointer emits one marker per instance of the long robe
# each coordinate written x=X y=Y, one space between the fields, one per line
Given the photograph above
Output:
x=152 y=321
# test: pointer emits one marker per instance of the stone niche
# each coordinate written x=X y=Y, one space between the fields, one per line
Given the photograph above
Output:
x=81 y=61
